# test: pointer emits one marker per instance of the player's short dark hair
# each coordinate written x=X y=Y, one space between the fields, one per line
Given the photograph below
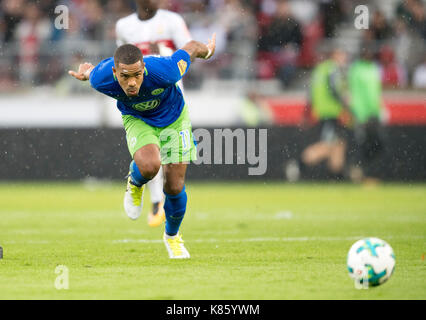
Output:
x=127 y=54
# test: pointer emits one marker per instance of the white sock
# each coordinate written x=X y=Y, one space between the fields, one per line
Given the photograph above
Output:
x=169 y=237
x=155 y=186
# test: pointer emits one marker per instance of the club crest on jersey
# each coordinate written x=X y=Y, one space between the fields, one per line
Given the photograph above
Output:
x=147 y=105
x=182 y=66
x=156 y=92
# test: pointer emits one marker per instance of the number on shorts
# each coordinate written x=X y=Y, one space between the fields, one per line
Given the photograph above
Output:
x=184 y=134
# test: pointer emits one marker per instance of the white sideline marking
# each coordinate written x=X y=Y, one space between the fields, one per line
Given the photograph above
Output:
x=270 y=239
x=284 y=215
x=260 y=239
x=276 y=239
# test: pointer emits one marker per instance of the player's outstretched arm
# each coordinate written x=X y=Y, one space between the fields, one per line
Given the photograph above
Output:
x=83 y=72
x=200 y=50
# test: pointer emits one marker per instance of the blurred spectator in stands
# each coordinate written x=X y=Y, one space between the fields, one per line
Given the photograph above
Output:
x=378 y=32
x=331 y=14
x=393 y=74
x=31 y=31
x=172 y=5
x=268 y=7
x=419 y=77
x=10 y=16
x=412 y=13
x=380 y=28
x=420 y=17
x=283 y=29
x=402 y=43
x=328 y=104
x=411 y=20
x=73 y=33
x=366 y=105
x=202 y=25
x=408 y=44
x=289 y=33
x=115 y=10
x=92 y=19
x=264 y=9
x=279 y=45
x=305 y=11
x=239 y=24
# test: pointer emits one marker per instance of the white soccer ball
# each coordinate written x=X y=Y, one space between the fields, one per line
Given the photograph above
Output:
x=370 y=262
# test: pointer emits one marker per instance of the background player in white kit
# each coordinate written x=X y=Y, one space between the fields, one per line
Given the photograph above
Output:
x=155 y=32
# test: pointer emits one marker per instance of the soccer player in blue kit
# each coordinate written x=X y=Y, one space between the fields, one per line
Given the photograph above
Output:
x=157 y=124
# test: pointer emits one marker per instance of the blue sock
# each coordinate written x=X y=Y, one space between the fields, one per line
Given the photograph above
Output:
x=175 y=207
x=136 y=177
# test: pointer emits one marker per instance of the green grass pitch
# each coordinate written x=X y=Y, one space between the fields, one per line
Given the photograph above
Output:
x=247 y=241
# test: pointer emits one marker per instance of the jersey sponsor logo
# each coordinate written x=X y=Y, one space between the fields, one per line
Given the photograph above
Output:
x=147 y=105
x=146 y=48
x=157 y=91
x=182 y=66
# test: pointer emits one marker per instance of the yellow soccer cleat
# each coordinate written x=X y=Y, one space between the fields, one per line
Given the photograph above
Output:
x=175 y=247
x=133 y=200
x=155 y=220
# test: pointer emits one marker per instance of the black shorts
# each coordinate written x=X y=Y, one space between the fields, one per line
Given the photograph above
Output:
x=369 y=138
x=331 y=131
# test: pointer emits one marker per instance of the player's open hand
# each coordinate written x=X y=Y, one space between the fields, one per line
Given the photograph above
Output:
x=211 y=45
x=83 y=72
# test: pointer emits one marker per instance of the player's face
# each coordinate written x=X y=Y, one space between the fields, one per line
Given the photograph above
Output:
x=130 y=77
x=340 y=57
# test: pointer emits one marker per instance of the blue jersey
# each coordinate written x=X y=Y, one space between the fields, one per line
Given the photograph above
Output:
x=160 y=100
